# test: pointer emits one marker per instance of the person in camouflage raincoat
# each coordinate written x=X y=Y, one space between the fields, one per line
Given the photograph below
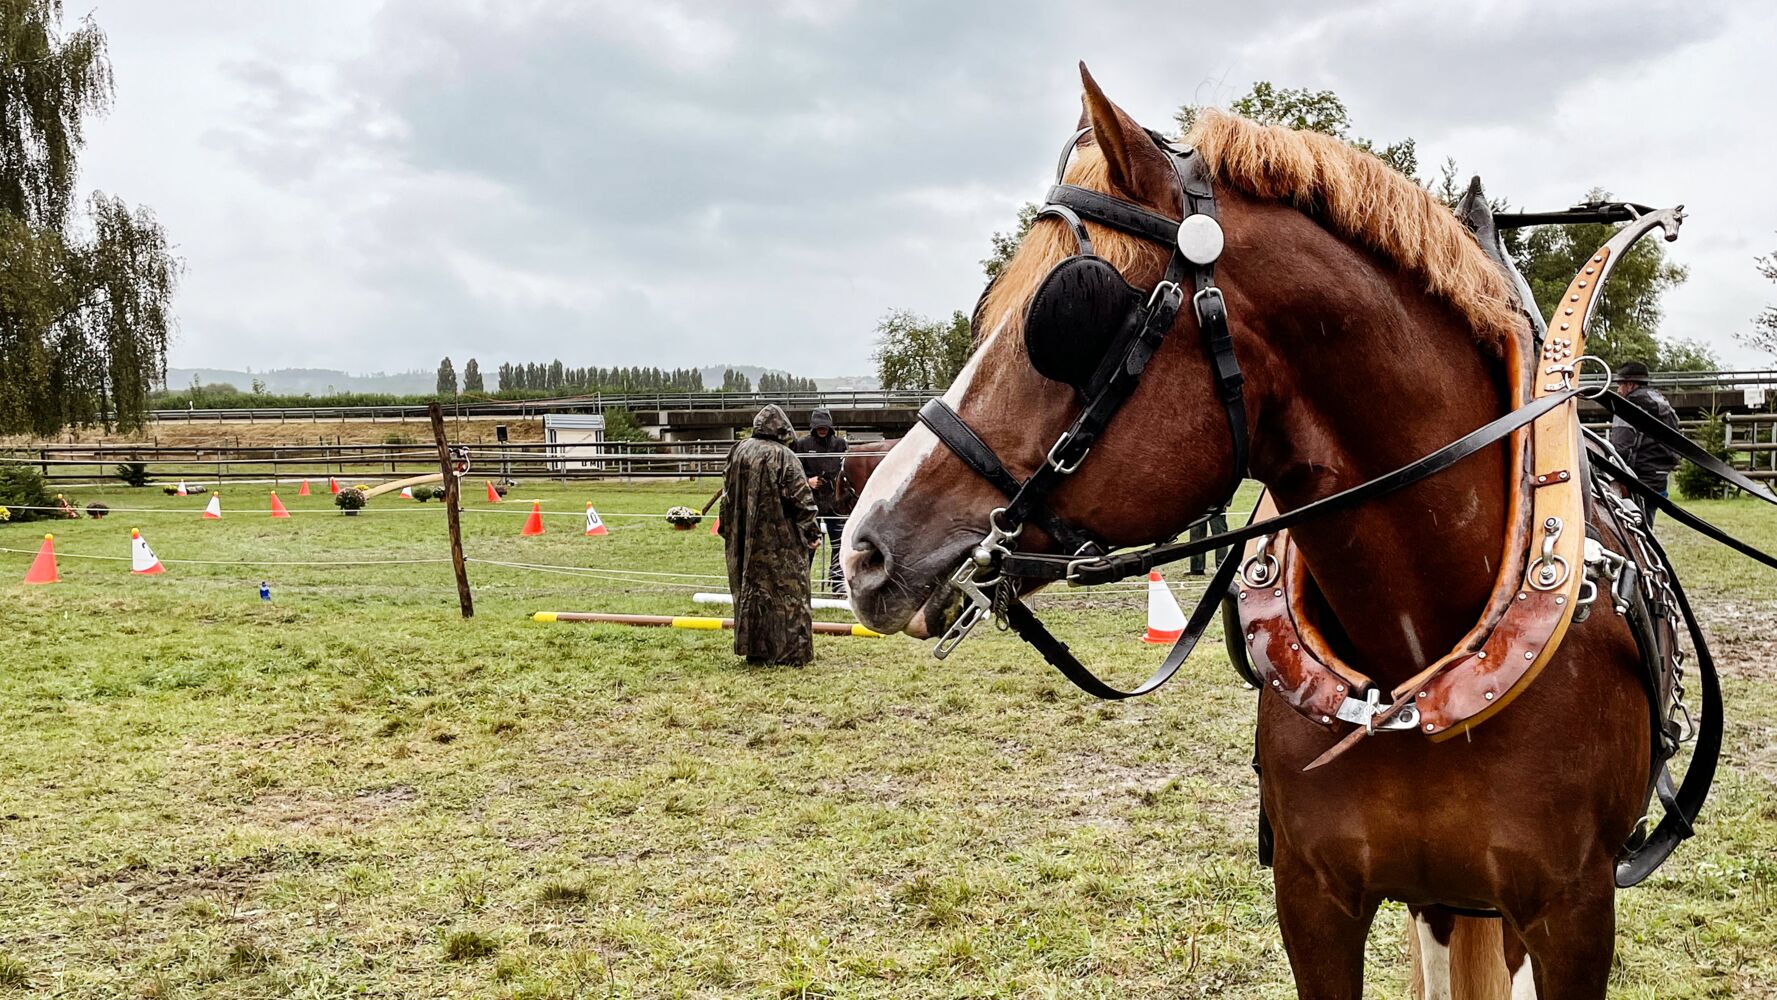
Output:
x=768 y=525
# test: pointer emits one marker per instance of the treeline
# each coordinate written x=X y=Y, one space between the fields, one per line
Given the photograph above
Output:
x=554 y=377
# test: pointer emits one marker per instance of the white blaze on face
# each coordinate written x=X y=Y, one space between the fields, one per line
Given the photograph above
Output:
x=896 y=471
x=1434 y=962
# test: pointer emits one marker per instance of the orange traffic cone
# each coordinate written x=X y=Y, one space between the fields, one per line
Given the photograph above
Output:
x=493 y=495
x=594 y=524
x=277 y=506
x=407 y=493
x=305 y=489
x=142 y=559
x=716 y=525
x=214 y=511
x=332 y=485
x=1166 y=620
x=181 y=490
x=43 y=568
x=533 y=525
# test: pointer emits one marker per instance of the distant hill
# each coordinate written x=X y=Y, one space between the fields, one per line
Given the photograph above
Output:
x=314 y=381
x=712 y=377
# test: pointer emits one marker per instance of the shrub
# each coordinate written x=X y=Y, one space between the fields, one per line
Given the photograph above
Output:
x=351 y=499
x=1695 y=484
x=422 y=493
x=21 y=489
x=96 y=510
x=133 y=473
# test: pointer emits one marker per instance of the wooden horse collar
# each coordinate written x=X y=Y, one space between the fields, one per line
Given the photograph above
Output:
x=1534 y=597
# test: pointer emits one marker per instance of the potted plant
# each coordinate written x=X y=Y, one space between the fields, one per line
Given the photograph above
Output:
x=682 y=518
x=349 y=501
x=96 y=510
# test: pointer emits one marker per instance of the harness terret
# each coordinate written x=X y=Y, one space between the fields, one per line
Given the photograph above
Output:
x=1088 y=328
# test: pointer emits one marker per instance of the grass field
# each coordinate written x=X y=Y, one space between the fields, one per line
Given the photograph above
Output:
x=349 y=791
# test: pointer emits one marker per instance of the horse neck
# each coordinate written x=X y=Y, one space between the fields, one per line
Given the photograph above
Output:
x=1364 y=376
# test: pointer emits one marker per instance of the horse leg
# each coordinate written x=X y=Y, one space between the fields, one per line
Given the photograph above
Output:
x=1324 y=928
x=1571 y=944
x=1518 y=967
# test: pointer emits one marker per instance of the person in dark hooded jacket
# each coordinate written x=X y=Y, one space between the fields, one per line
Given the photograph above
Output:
x=823 y=479
x=1651 y=460
x=768 y=526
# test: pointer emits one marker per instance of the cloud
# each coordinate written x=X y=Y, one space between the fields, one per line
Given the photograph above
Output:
x=671 y=183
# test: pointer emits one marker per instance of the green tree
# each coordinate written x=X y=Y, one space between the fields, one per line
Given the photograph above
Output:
x=1312 y=110
x=1763 y=334
x=85 y=304
x=1626 y=314
x=447 y=378
x=913 y=352
x=472 y=377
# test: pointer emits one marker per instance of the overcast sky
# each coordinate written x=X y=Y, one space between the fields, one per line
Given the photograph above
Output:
x=372 y=185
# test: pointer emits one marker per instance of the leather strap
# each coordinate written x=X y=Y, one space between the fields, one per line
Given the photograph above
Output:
x=1116 y=213
x=943 y=421
x=1032 y=630
x=1654 y=427
x=1684 y=805
x=1108 y=569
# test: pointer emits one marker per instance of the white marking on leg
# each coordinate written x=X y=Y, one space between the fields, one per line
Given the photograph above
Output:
x=1524 y=982
x=1434 y=962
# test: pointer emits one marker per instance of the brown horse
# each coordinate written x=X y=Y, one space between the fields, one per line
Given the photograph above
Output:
x=861 y=462
x=1371 y=330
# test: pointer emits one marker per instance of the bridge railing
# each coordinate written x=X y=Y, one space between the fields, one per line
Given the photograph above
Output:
x=859 y=399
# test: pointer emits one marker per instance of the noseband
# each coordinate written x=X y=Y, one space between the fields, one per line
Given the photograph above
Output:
x=1129 y=335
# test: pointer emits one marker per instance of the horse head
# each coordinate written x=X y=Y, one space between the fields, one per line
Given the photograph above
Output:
x=924 y=509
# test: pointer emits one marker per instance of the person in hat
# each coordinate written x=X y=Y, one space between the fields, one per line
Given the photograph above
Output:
x=823 y=478
x=768 y=527
x=1651 y=460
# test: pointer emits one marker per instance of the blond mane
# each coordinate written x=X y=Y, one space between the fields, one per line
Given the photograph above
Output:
x=1355 y=195
x=1367 y=202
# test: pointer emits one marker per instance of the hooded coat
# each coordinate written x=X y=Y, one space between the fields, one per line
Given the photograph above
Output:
x=827 y=496
x=768 y=524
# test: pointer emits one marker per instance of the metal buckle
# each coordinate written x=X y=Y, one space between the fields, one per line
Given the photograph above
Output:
x=1197 y=300
x=1363 y=713
x=1054 y=463
x=1173 y=286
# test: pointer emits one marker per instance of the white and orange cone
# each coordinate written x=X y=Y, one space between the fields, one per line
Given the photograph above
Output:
x=407 y=493
x=142 y=559
x=594 y=524
x=214 y=511
x=1166 y=620
x=181 y=490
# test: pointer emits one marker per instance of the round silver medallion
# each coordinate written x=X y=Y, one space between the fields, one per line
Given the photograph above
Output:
x=1200 y=239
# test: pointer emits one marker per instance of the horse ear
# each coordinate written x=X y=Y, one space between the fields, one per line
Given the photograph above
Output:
x=1137 y=167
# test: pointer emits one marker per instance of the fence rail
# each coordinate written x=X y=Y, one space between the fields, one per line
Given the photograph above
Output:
x=860 y=399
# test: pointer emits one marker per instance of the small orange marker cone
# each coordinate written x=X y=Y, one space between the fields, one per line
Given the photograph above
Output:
x=493 y=495
x=1166 y=620
x=407 y=493
x=277 y=506
x=332 y=485
x=142 y=559
x=304 y=491
x=214 y=511
x=181 y=490
x=43 y=568
x=533 y=525
x=594 y=524
x=716 y=526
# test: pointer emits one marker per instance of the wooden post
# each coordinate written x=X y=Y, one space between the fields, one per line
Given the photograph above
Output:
x=451 y=514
